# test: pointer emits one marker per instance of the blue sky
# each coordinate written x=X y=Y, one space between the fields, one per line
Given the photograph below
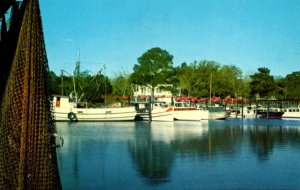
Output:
x=246 y=33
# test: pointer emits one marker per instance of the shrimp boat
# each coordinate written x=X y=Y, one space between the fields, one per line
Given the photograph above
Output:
x=66 y=109
x=71 y=108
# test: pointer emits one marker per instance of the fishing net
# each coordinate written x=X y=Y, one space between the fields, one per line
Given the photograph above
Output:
x=27 y=144
x=8 y=38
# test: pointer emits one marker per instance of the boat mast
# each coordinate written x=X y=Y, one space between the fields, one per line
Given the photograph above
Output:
x=210 y=81
x=62 y=82
x=98 y=73
x=76 y=75
x=77 y=68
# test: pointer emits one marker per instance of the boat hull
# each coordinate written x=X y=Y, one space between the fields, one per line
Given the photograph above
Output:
x=190 y=114
x=95 y=114
x=162 y=114
x=270 y=114
x=291 y=113
x=218 y=115
x=157 y=114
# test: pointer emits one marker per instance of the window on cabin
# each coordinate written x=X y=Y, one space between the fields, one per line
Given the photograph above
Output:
x=57 y=102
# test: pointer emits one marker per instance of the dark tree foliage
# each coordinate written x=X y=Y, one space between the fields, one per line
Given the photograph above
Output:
x=172 y=82
x=94 y=88
x=229 y=81
x=207 y=78
x=54 y=83
x=60 y=85
x=263 y=84
x=292 y=83
x=89 y=88
x=195 y=78
x=121 y=86
x=186 y=76
x=281 y=91
x=154 y=67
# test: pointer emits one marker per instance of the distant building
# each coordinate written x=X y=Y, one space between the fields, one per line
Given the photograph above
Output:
x=143 y=93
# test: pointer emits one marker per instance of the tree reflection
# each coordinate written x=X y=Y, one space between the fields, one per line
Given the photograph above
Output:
x=215 y=141
x=262 y=141
x=264 y=138
x=155 y=147
x=153 y=158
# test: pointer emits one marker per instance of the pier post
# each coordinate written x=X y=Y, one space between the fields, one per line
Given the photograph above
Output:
x=150 y=110
x=242 y=108
x=256 y=104
x=268 y=107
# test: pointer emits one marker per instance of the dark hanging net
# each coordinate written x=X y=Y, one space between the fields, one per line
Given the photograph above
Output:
x=27 y=145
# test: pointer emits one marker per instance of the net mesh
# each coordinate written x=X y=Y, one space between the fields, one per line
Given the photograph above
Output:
x=27 y=144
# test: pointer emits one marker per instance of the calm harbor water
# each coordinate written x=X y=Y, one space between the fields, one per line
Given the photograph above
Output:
x=231 y=154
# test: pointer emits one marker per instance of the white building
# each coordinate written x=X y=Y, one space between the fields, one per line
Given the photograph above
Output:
x=143 y=93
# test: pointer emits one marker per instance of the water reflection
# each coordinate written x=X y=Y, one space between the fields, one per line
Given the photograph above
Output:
x=155 y=145
x=151 y=151
x=264 y=138
x=213 y=141
x=106 y=155
x=89 y=157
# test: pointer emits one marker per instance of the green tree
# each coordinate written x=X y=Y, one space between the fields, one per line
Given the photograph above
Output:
x=245 y=87
x=121 y=86
x=95 y=88
x=229 y=81
x=292 y=84
x=54 y=83
x=60 y=85
x=187 y=77
x=66 y=83
x=262 y=84
x=89 y=88
x=196 y=78
x=173 y=83
x=153 y=69
x=281 y=91
x=206 y=84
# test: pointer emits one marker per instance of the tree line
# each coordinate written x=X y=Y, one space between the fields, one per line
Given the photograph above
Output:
x=205 y=78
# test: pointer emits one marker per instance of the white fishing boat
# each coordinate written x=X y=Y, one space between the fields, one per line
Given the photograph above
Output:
x=71 y=108
x=64 y=109
x=183 y=111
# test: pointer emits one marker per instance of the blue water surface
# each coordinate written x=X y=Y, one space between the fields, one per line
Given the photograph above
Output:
x=230 y=154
